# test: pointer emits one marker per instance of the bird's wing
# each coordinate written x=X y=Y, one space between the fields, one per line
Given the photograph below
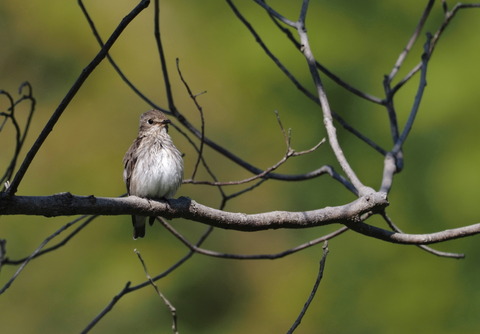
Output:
x=129 y=162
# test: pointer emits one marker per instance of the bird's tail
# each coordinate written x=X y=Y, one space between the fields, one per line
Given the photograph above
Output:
x=138 y=226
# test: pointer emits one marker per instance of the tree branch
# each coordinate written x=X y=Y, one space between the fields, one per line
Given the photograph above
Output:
x=351 y=215
x=71 y=93
x=66 y=204
x=414 y=239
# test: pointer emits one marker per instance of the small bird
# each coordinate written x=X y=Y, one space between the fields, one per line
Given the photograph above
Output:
x=153 y=166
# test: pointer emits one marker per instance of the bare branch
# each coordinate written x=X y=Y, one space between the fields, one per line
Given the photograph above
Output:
x=290 y=153
x=108 y=308
x=391 y=165
x=71 y=93
x=128 y=288
x=425 y=248
x=163 y=60
x=449 y=15
x=68 y=204
x=10 y=114
x=418 y=98
x=314 y=289
x=414 y=239
x=412 y=40
x=351 y=214
x=277 y=15
x=169 y=305
x=327 y=114
x=270 y=54
x=287 y=252
x=202 y=119
x=88 y=220
x=36 y=253
x=327 y=72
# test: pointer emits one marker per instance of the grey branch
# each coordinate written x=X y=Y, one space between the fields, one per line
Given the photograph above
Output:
x=351 y=215
x=415 y=239
x=66 y=204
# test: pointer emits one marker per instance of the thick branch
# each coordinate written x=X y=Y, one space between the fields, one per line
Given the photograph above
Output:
x=66 y=204
x=351 y=214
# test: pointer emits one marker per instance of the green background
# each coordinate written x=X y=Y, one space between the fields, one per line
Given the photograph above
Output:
x=369 y=286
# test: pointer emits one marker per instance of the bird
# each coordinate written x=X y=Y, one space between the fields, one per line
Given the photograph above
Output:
x=153 y=166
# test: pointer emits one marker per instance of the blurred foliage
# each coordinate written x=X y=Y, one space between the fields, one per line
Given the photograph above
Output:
x=368 y=287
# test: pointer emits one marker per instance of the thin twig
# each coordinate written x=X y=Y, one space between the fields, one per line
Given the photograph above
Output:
x=418 y=98
x=171 y=308
x=19 y=134
x=449 y=15
x=163 y=60
x=326 y=71
x=273 y=256
x=62 y=243
x=264 y=173
x=412 y=40
x=35 y=254
x=269 y=53
x=126 y=289
x=391 y=163
x=241 y=192
x=358 y=134
x=129 y=288
x=202 y=120
x=314 y=289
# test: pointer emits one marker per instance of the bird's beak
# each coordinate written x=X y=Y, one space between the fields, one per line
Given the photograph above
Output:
x=166 y=121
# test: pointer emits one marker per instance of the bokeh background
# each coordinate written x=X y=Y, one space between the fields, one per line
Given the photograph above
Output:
x=369 y=286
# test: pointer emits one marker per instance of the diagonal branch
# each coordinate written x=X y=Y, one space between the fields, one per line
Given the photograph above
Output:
x=71 y=94
x=314 y=289
x=67 y=204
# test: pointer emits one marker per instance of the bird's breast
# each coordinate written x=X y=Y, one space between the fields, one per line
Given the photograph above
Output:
x=158 y=172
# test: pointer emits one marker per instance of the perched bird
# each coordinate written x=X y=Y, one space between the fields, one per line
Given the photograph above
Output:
x=153 y=166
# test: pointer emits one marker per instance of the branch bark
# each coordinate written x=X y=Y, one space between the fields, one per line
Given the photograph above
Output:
x=66 y=204
x=351 y=215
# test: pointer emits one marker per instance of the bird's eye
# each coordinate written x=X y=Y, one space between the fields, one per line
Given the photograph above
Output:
x=150 y=121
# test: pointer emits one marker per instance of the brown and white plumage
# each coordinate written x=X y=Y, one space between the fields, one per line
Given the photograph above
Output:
x=153 y=166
